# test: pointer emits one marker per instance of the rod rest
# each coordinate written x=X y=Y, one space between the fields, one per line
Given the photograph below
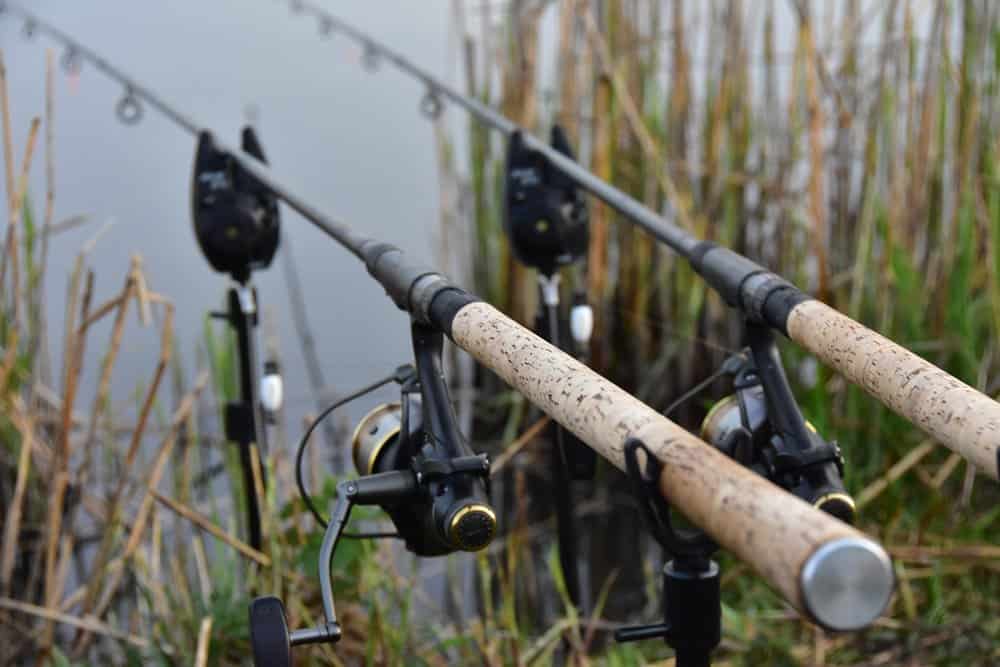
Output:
x=692 y=603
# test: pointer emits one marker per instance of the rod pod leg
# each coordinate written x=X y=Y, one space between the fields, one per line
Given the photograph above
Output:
x=692 y=610
x=547 y=326
x=692 y=602
x=242 y=419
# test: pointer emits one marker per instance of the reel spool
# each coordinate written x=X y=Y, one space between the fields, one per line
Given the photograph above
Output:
x=235 y=217
x=381 y=432
x=545 y=216
x=390 y=438
x=739 y=426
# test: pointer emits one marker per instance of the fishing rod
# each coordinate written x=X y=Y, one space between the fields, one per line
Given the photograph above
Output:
x=437 y=496
x=953 y=413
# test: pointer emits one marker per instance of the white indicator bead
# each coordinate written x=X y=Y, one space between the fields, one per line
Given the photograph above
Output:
x=272 y=391
x=581 y=323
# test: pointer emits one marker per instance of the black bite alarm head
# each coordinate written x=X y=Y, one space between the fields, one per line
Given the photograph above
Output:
x=235 y=216
x=546 y=217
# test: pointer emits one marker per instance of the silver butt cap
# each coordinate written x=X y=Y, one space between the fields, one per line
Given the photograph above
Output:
x=847 y=583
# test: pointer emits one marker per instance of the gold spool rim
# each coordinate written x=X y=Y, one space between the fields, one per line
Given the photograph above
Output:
x=719 y=405
x=468 y=509
x=355 y=442
x=377 y=449
x=836 y=495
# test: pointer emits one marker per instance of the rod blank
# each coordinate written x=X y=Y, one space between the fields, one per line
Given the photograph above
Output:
x=975 y=436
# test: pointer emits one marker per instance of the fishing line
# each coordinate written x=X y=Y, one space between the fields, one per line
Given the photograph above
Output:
x=304 y=442
x=659 y=227
x=438 y=497
x=130 y=111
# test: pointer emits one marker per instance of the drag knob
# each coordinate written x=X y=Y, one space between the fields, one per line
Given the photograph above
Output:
x=472 y=527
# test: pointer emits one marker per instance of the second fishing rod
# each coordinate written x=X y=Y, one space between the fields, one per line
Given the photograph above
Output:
x=953 y=413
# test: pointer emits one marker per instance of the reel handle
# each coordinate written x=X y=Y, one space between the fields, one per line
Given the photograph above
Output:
x=270 y=639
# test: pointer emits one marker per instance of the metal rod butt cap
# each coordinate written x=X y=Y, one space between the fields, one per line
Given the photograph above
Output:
x=847 y=583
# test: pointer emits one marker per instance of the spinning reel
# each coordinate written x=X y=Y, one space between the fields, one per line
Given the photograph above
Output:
x=235 y=217
x=760 y=426
x=417 y=466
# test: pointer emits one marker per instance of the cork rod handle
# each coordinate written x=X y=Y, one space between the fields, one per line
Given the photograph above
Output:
x=773 y=531
x=958 y=416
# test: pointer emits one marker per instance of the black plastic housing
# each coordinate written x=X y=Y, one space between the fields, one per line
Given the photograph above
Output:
x=235 y=217
x=420 y=290
x=545 y=216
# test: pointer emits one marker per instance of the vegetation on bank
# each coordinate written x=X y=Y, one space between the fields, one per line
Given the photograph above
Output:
x=862 y=164
x=851 y=147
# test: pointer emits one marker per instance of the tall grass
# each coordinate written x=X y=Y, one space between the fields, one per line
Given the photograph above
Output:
x=122 y=514
x=851 y=147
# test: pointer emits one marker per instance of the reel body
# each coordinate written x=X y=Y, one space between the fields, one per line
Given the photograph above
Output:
x=235 y=217
x=761 y=426
x=454 y=514
x=744 y=413
x=545 y=216
x=415 y=464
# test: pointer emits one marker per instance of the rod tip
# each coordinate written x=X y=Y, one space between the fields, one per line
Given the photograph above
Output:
x=847 y=583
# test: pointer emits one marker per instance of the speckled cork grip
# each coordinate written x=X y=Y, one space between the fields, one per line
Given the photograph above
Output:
x=954 y=413
x=763 y=525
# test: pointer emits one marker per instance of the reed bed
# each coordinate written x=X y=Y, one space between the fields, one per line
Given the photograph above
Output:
x=851 y=147
x=122 y=513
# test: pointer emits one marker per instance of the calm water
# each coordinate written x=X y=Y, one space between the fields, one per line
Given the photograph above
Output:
x=351 y=141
